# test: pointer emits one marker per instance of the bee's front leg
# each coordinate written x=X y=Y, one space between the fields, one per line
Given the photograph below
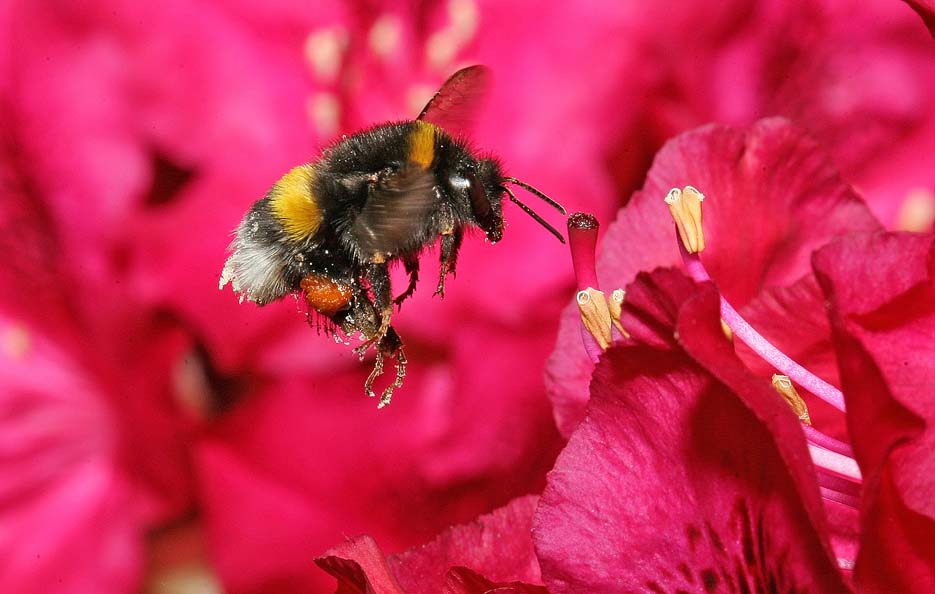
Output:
x=451 y=243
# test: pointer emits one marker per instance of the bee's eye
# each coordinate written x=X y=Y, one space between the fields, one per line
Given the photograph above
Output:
x=459 y=184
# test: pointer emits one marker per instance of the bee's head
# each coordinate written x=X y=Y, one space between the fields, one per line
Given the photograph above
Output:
x=484 y=185
x=486 y=194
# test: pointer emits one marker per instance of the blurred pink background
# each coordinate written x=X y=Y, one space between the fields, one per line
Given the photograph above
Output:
x=156 y=436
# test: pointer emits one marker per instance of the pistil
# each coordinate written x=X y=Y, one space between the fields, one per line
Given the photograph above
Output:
x=592 y=305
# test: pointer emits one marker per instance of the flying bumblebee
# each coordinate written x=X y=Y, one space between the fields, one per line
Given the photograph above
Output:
x=329 y=230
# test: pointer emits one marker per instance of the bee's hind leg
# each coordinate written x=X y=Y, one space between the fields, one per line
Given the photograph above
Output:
x=389 y=346
x=378 y=276
x=373 y=319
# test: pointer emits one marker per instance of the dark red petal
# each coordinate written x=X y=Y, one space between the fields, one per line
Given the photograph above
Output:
x=881 y=291
x=652 y=304
x=461 y=580
x=926 y=10
x=672 y=483
x=360 y=567
x=497 y=545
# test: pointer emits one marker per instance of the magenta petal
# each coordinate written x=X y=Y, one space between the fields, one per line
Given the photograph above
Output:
x=497 y=545
x=881 y=290
x=652 y=305
x=671 y=483
x=771 y=178
x=772 y=197
x=568 y=373
x=360 y=567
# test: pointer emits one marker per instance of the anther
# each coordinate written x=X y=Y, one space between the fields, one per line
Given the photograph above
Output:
x=615 y=305
x=595 y=315
x=783 y=385
x=728 y=333
x=685 y=208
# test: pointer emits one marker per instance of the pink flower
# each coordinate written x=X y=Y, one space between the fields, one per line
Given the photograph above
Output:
x=72 y=515
x=655 y=451
x=880 y=289
x=772 y=177
x=139 y=135
x=688 y=471
x=678 y=478
x=103 y=384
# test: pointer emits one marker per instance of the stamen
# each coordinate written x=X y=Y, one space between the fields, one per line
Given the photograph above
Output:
x=845 y=564
x=685 y=208
x=783 y=385
x=837 y=472
x=835 y=463
x=595 y=315
x=734 y=320
x=836 y=483
x=838 y=497
x=829 y=443
x=615 y=304
x=763 y=347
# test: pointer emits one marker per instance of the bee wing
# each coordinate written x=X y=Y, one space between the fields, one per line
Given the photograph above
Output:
x=453 y=107
x=393 y=218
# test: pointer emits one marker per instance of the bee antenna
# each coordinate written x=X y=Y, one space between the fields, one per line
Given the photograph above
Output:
x=538 y=193
x=533 y=214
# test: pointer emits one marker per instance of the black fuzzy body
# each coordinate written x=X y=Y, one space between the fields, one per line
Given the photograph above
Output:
x=342 y=190
x=346 y=176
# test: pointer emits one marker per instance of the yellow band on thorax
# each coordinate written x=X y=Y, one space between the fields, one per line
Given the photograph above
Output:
x=422 y=144
x=293 y=203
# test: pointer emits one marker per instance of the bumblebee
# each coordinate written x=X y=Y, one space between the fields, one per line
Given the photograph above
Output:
x=329 y=230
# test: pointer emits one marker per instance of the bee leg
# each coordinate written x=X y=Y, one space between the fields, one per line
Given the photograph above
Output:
x=390 y=346
x=379 y=277
x=451 y=244
x=411 y=263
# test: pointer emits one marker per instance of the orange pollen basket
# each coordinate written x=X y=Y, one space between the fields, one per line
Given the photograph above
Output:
x=324 y=295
